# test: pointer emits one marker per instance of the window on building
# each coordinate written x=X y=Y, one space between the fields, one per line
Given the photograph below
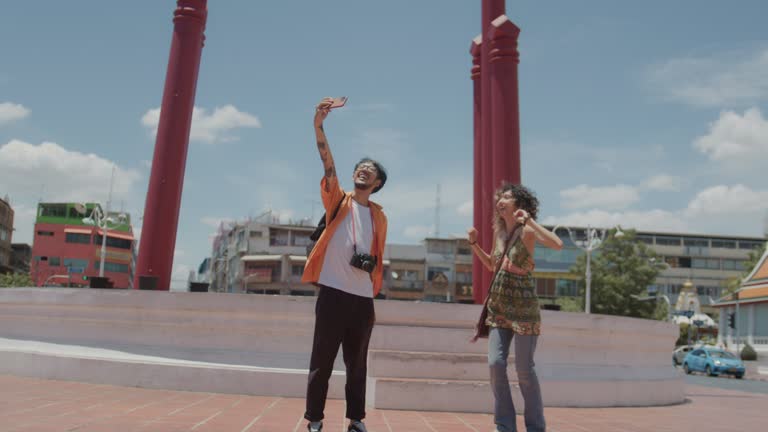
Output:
x=73 y=263
x=297 y=270
x=440 y=247
x=112 y=267
x=684 y=262
x=278 y=237
x=724 y=244
x=747 y=244
x=112 y=241
x=667 y=240
x=406 y=275
x=77 y=238
x=53 y=210
x=696 y=242
x=300 y=238
x=464 y=277
x=45 y=233
x=713 y=264
x=54 y=261
x=464 y=249
x=699 y=263
x=255 y=234
x=566 y=287
x=647 y=239
x=434 y=271
x=74 y=214
x=3 y=234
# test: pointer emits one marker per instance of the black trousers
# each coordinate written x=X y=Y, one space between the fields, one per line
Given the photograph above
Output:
x=347 y=320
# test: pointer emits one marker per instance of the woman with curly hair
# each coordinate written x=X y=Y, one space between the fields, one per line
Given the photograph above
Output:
x=512 y=305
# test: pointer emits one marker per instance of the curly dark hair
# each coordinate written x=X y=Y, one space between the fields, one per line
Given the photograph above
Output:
x=525 y=199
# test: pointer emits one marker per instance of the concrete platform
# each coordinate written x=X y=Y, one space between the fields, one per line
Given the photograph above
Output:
x=259 y=345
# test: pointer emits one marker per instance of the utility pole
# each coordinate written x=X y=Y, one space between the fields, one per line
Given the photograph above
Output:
x=437 y=212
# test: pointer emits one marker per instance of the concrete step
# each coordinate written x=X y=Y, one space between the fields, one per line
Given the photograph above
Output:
x=430 y=365
x=434 y=395
x=103 y=366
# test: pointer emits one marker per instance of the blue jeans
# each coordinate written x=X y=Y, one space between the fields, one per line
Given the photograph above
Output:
x=499 y=341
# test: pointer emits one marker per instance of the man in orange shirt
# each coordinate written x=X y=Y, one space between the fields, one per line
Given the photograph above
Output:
x=347 y=266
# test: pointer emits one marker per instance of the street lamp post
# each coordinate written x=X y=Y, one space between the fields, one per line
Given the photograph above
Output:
x=595 y=239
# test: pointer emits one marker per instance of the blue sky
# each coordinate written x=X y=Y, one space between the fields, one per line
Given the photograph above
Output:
x=649 y=114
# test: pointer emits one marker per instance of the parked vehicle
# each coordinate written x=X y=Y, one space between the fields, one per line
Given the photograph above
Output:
x=713 y=362
x=678 y=355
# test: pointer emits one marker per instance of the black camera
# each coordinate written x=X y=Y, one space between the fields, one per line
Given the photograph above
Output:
x=363 y=261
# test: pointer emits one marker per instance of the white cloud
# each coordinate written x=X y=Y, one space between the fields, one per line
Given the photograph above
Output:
x=736 y=138
x=606 y=197
x=209 y=128
x=663 y=182
x=50 y=172
x=466 y=209
x=729 y=79
x=724 y=200
x=735 y=210
x=656 y=220
x=10 y=112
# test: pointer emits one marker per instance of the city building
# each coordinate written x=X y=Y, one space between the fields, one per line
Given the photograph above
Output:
x=260 y=256
x=749 y=310
x=407 y=276
x=6 y=235
x=441 y=269
x=67 y=249
x=20 y=257
x=707 y=261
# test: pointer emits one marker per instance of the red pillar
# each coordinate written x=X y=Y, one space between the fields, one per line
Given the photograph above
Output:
x=505 y=113
x=161 y=211
x=478 y=221
x=490 y=10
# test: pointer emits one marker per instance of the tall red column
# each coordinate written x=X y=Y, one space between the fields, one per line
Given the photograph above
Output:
x=490 y=10
x=505 y=114
x=161 y=211
x=477 y=215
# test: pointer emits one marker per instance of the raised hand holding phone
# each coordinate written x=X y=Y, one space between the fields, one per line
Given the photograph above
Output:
x=338 y=102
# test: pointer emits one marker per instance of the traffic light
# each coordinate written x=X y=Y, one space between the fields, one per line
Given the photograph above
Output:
x=85 y=277
x=732 y=320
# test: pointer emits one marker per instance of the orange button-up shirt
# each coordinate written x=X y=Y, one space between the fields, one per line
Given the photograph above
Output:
x=332 y=193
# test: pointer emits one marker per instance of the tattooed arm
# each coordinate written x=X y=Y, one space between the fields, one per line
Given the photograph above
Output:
x=323 y=108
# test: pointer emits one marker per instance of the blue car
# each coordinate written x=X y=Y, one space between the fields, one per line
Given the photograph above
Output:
x=713 y=362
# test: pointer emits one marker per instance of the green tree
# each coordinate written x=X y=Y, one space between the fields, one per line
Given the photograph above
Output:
x=733 y=283
x=621 y=268
x=15 y=280
x=570 y=304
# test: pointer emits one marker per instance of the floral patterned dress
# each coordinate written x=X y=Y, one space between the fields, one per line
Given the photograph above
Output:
x=513 y=303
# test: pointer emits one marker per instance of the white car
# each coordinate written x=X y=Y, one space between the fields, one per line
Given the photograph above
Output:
x=678 y=355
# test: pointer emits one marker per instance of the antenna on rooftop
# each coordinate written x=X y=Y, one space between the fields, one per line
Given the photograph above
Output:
x=437 y=212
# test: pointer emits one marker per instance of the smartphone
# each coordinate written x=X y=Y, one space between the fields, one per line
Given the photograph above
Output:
x=338 y=102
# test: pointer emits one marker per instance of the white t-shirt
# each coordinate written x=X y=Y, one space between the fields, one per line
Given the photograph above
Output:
x=337 y=272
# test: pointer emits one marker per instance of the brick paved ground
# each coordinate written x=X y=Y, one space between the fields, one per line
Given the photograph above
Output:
x=35 y=405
